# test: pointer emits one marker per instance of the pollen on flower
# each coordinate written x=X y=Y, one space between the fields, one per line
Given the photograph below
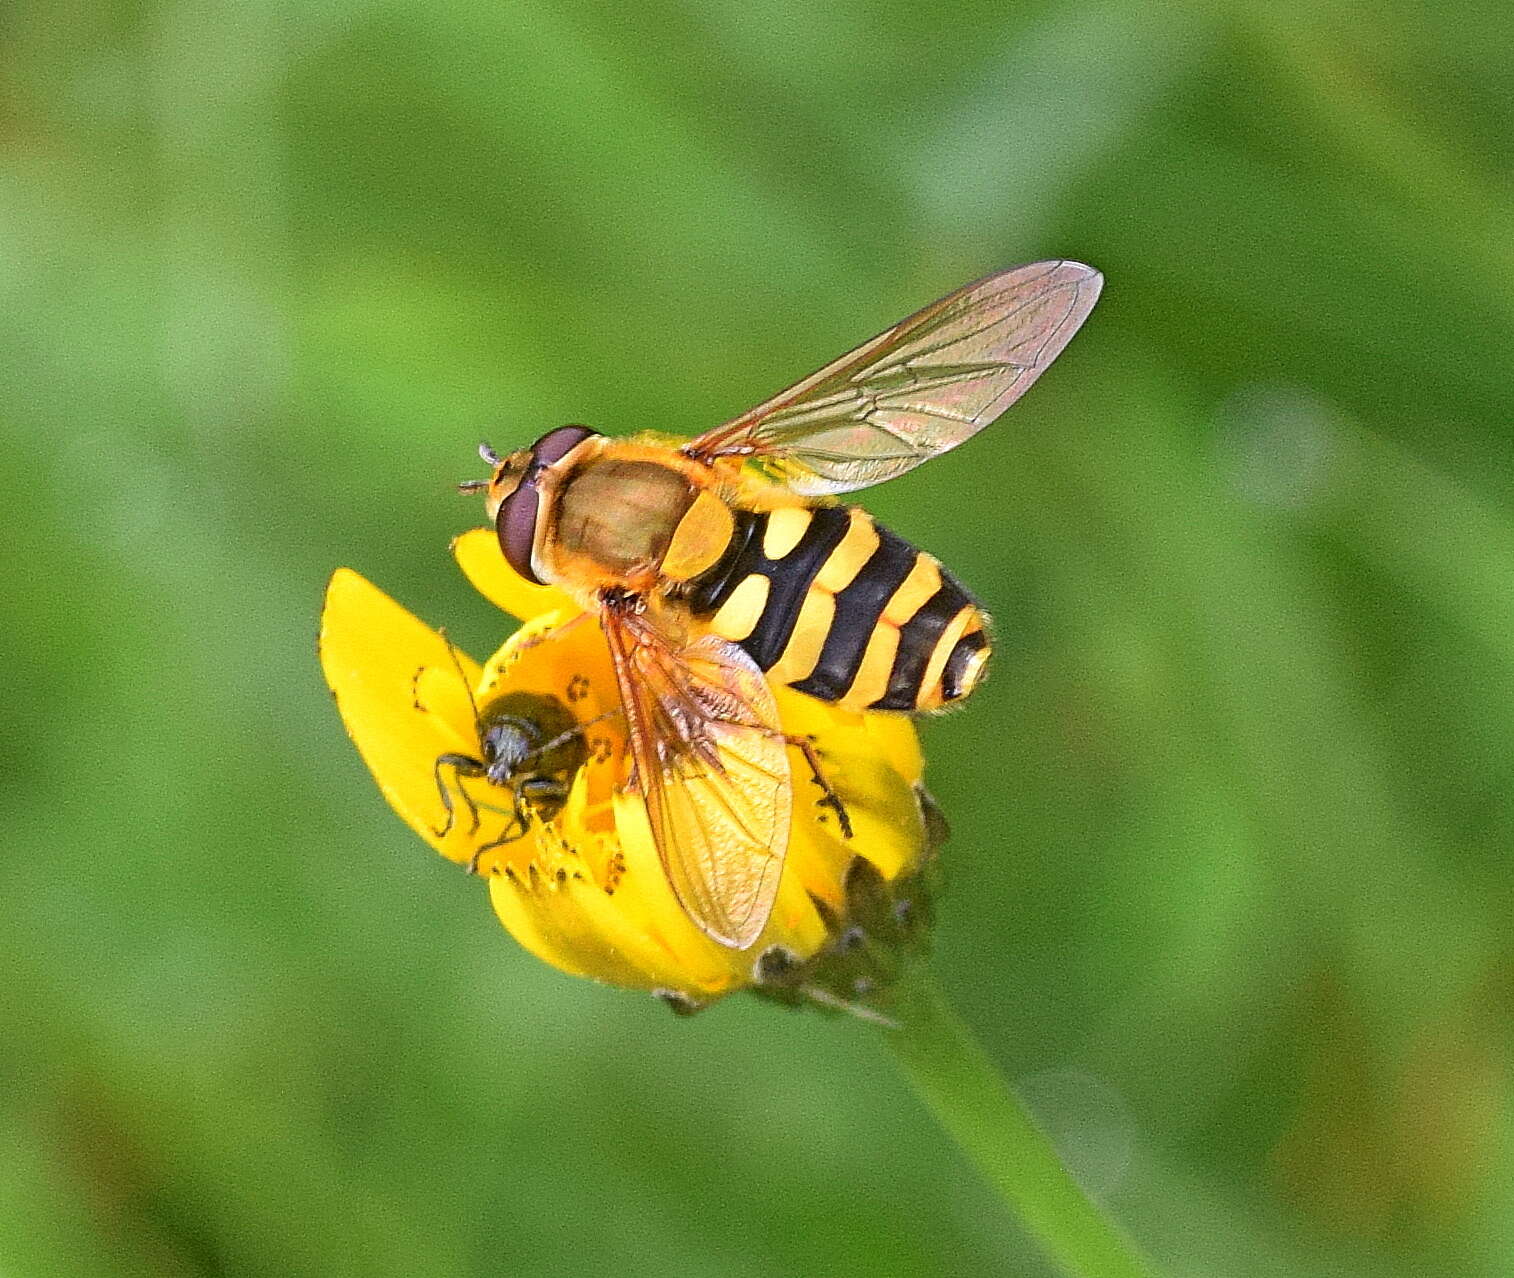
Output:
x=615 y=869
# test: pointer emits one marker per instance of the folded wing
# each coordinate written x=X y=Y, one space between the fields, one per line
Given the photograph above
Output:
x=712 y=768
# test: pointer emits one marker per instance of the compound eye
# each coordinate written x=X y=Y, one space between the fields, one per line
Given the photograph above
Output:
x=515 y=525
x=557 y=444
x=515 y=521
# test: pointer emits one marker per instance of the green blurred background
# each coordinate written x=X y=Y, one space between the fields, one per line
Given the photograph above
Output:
x=1229 y=888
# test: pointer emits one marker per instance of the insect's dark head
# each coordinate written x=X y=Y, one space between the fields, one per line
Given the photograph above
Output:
x=507 y=744
x=526 y=736
x=513 y=500
x=532 y=749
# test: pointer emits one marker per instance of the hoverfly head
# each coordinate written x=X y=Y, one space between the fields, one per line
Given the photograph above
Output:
x=514 y=501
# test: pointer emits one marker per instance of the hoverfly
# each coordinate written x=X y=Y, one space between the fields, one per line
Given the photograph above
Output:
x=718 y=565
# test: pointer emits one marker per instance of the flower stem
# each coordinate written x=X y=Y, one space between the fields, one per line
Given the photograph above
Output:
x=969 y=1097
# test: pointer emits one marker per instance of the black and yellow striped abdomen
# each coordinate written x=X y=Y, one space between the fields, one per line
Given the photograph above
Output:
x=824 y=599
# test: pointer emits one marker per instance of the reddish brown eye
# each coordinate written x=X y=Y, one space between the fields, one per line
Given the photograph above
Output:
x=515 y=522
x=515 y=525
x=557 y=444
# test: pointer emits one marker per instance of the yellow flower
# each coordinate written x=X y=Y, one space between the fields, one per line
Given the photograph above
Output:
x=571 y=866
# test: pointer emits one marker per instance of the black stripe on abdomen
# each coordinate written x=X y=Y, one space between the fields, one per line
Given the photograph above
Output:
x=917 y=641
x=956 y=667
x=859 y=604
x=789 y=577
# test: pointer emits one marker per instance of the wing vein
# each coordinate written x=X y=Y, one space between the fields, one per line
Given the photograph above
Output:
x=940 y=376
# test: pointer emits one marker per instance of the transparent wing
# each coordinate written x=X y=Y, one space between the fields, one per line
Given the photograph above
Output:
x=917 y=389
x=712 y=768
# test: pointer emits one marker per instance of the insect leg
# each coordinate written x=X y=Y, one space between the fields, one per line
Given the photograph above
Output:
x=463 y=766
x=541 y=790
x=511 y=832
x=554 y=633
x=831 y=800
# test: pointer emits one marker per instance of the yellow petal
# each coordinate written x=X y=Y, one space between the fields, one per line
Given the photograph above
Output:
x=483 y=563
x=894 y=737
x=404 y=703
x=585 y=889
x=591 y=896
x=583 y=929
x=647 y=901
x=872 y=761
x=621 y=922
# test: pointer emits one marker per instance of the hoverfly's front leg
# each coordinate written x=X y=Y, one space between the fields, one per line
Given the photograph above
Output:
x=556 y=632
x=463 y=765
x=830 y=799
x=621 y=601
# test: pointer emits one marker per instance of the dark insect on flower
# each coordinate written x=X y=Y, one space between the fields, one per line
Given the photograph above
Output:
x=531 y=747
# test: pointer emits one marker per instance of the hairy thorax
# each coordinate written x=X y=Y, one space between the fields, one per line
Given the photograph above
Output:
x=620 y=515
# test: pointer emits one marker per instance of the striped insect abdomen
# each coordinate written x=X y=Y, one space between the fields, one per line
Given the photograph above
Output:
x=826 y=600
